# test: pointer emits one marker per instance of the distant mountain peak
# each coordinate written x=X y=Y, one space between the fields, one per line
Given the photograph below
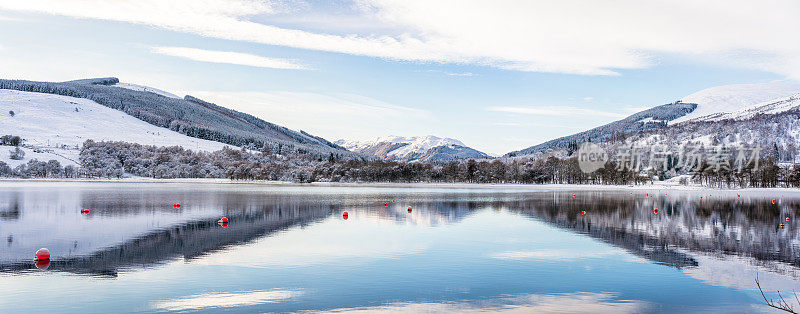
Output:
x=414 y=148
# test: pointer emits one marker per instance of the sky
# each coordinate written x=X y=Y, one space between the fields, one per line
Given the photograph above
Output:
x=498 y=75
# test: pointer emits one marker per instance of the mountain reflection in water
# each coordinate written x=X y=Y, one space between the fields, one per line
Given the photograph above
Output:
x=722 y=240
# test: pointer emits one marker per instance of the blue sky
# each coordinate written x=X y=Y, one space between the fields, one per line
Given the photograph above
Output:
x=500 y=76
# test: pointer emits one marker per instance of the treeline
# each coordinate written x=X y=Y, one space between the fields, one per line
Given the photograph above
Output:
x=542 y=171
x=767 y=175
x=116 y=159
x=39 y=169
x=113 y=159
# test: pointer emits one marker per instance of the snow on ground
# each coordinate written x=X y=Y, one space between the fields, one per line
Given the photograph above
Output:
x=769 y=107
x=142 y=88
x=731 y=98
x=55 y=127
x=416 y=144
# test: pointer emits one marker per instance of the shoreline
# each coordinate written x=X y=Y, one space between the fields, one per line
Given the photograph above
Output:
x=662 y=185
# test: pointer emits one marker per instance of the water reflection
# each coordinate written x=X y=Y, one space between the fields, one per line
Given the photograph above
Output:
x=748 y=227
x=527 y=303
x=721 y=240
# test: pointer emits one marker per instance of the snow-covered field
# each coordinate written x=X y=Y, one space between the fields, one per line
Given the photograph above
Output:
x=55 y=127
x=733 y=98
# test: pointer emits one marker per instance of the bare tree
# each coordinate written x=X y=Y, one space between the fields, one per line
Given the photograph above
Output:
x=780 y=303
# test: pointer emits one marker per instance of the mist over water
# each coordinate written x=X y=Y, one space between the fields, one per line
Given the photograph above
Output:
x=287 y=248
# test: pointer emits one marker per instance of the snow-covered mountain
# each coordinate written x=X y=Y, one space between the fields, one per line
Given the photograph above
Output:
x=737 y=102
x=423 y=148
x=773 y=106
x=721 y=100
x=55 y=127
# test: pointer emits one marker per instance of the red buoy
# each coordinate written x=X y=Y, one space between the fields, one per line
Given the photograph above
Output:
x=386 y=204
x=84 y=211
x=224 y=220
x=583 y=212
x=409 y=209
x=392 y=201
x=344 y=215
x=177 y=205
x=773 y=201
x=42 y=254
x=648 y=194
x=737 y=195
x=655 y=210
x=223 y=224
x=573 y=195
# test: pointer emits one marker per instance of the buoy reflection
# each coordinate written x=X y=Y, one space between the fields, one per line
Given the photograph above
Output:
x=42 y=264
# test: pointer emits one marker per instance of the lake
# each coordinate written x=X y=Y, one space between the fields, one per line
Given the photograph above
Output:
x=288 y=248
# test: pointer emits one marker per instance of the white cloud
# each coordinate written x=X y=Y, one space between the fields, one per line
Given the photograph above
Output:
x=228 y=57
x=579 y=37
x=557 y=111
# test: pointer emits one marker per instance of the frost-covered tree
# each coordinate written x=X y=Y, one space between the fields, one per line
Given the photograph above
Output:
x=17 y=154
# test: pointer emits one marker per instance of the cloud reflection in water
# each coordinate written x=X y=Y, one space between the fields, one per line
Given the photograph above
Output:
x=580 y=302
x=220 y=300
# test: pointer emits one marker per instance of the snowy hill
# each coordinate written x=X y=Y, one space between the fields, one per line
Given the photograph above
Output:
x=423 y=148
x=55 y=127
x=736 y=102
x=732 y=98
x=189 y=116
x=773 y=106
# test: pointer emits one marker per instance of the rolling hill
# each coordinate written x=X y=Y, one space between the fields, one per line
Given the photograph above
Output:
x=189 y=116
x=54 y=127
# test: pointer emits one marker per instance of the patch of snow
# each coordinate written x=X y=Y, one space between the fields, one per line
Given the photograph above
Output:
x=731 y=98
x=55 y=127
x=143 y=88
x=769 y=107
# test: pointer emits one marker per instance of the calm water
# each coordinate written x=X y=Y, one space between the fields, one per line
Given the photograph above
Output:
x=287 y=248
